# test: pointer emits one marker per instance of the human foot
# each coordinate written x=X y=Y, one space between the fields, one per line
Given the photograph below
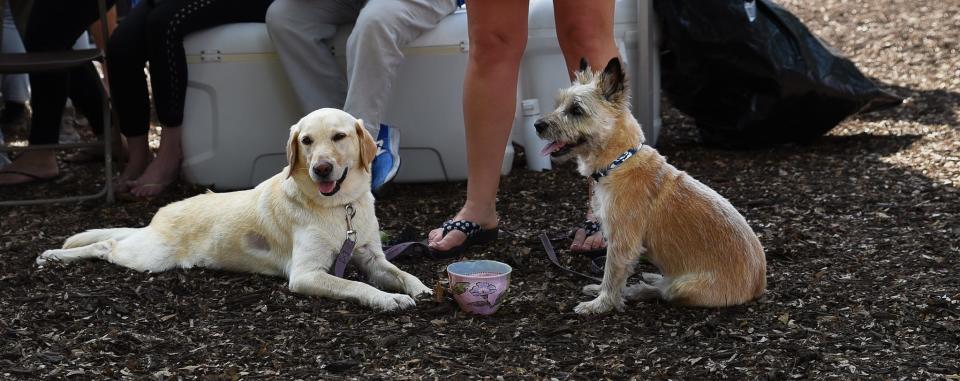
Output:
x=30 y=167
x=588 y=238
x=155 y=178
x=131 y=172
x=138 y=159
x=164 y=170
x=484 y=219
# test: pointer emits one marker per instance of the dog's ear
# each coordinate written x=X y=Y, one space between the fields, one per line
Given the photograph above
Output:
x=293 y=149
x=613 y=82
x=584 y=65
x=368 y=146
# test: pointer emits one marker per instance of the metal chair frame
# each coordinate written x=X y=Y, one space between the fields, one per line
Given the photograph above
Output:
x=16 y=63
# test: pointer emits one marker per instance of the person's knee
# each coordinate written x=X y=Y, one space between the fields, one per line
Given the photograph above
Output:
x=370 y=30
x=497 y=47
x=277 y=17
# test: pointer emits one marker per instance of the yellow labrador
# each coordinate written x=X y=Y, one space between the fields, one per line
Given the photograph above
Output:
x=292 y=224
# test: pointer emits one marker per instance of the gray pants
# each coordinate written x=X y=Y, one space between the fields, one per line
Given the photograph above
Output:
x=13 y=87
x=302 y=29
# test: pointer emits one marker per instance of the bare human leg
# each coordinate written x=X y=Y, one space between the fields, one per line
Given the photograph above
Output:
x=585 y=30
x=498 y=36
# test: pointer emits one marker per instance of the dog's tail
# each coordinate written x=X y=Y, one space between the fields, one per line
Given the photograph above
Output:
x=92 y=236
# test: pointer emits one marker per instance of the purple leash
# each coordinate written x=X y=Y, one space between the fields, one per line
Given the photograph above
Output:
x=394 y=251
x=350 y=243
x=552 y=255
x=346 y=252
x=390 y=252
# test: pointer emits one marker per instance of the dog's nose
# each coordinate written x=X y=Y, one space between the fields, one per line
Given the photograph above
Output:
x=539 y=125
x=323 y=168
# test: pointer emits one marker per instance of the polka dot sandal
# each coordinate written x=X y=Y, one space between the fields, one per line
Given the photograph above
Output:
x=476 y=235
x=591 y=228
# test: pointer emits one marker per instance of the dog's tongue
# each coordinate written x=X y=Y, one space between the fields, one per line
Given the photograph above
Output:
x=550 y=148
x=326 y=186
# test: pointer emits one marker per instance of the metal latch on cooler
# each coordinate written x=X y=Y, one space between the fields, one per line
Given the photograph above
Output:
x=210 y=56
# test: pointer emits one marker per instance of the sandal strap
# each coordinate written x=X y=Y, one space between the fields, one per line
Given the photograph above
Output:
x=590 y=227
x=469 y=228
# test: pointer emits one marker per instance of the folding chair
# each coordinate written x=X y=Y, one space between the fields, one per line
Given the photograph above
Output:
x=33 y=62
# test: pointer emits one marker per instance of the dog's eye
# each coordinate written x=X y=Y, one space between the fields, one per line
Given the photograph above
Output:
x=306 y=140
x=575 y=110
x=338 y=136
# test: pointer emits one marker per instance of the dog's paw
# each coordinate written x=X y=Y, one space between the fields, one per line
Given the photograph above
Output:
x=651 y=277
x=596 y=306
x=47 y=257
x=419 y=291
x=641 y=291
x=591 y=290
x=393 y=302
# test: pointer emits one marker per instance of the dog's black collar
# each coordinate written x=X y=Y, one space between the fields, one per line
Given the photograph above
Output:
x=340 y=181
x=616 y=163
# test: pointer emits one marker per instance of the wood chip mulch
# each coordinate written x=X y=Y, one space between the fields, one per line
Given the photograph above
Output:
x=861 y=231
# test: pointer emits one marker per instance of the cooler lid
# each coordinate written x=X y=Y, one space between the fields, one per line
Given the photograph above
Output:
x=239 y=38
x=452 y=30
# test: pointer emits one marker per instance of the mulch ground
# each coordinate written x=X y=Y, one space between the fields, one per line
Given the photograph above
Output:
x=861 y=231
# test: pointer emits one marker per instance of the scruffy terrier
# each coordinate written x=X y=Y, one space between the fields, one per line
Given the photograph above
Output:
x=707 y=253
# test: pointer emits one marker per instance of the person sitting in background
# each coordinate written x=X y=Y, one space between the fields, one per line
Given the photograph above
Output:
x=153 y=32
x=54 y=25
x=301 y=31
x=15 y=92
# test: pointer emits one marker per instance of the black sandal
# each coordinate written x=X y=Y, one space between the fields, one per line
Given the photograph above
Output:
x=476 y=235
x=591 y=228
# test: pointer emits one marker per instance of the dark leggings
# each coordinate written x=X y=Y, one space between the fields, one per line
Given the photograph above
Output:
x=56 y=25
x=154 y=33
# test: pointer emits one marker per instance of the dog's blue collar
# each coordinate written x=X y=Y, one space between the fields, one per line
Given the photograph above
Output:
x=616 y=163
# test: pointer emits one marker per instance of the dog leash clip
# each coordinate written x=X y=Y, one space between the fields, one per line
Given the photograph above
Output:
x=351 y=234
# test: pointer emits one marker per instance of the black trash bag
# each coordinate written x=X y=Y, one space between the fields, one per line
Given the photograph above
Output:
x=752 y=74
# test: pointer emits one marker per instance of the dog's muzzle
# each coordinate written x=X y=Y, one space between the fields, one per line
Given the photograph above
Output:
x=558 y=148
x=555 y=148
x=330 y=188
x=539 y=126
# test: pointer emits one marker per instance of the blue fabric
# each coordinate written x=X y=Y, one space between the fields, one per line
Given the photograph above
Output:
x=387 y=161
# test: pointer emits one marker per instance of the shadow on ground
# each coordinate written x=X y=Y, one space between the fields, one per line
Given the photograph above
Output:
x=929 y=107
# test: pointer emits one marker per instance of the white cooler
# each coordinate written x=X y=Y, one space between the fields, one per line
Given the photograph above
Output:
x=238 y=110
x=239 y=104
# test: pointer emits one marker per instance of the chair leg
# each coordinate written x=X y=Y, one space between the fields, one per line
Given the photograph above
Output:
x=107 y=147
x=107 y=189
